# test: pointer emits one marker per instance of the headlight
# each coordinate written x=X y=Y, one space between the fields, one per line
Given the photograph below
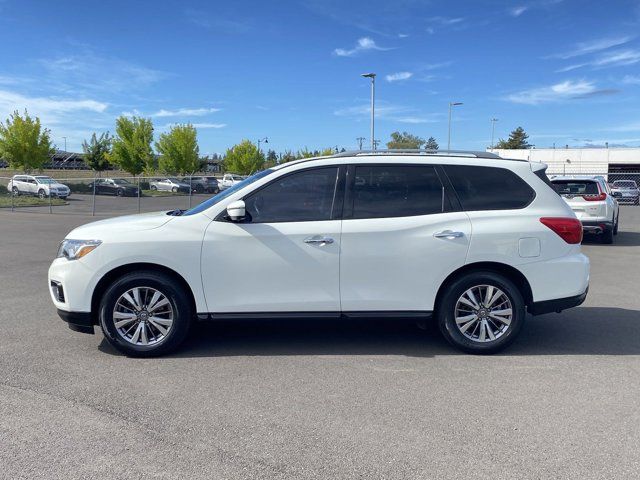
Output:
x=75 y=249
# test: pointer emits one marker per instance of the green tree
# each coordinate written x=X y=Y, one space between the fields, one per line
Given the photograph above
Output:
x=178 y=149
x=96 y=151
x=24 y=143
x=517 y=140
x=405 y=140
x=304 y=153
x=131 y=148
x=327 y=152
x=244 y=158
x=288 y=156
x=272 y=158
x=431 y=144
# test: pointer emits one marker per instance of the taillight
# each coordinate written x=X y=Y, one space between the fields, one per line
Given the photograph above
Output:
x=569 y=229
x=595 y=198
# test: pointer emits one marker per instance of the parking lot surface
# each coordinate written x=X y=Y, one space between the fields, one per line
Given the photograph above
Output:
x=292 y=399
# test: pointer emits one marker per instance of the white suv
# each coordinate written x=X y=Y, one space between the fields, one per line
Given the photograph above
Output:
x=473 y=239
x=39 y=185
x=591 y=200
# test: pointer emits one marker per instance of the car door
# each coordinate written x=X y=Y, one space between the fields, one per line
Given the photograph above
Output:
x=32 y=186
x=285 y=255
x=402 y=235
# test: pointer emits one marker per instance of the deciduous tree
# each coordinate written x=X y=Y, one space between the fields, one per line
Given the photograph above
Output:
x=96 y=151
x=405 y=140
x=24 y=143
x=244 y=158
x=178 y=149
x=131 y=149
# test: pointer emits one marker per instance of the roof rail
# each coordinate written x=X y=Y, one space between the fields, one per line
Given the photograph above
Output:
x=408 y=151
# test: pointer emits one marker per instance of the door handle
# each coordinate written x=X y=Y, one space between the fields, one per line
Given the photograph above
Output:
x=319 y=239
x=448 y=234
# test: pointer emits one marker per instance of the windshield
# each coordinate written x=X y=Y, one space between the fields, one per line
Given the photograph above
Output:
x=45 y=180
x=229 y=191
x=120 y=181
x=625 y=184
x=576 y=187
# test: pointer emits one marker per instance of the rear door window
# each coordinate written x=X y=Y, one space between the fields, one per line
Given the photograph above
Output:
x=489 y=188
x=381 y=191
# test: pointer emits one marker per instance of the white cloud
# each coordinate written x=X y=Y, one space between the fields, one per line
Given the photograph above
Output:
x=631 y=79
x=363 y=44
x=209 y=125
x=566 y=90
x=593 y=46
x=618 y=58
x=395 y=77
x=445 y=21
x=387 y=111
x=517 y=11
x=50 y=109
x=184 y=112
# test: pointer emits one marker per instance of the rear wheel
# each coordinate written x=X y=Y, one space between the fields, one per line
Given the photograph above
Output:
x=174 y=189
x=145 y=314
x=120 y=192
x=607 y=236
x=153 y=187
x=615 y=226
x=481 y=312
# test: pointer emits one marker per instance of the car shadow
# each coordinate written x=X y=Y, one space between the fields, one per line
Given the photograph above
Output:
x=580 y=331
x=623 y=239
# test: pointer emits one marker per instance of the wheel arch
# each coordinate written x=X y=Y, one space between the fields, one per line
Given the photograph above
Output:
x=512 y=273
x=109 y=277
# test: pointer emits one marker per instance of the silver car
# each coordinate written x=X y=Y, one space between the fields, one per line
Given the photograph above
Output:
x=169 y=184
x=626 y=191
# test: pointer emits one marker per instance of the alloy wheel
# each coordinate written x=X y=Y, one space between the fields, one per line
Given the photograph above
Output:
x=143 y=316
x=483 y=313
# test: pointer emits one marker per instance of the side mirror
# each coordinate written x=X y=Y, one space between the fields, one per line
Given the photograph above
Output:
x=236 y=210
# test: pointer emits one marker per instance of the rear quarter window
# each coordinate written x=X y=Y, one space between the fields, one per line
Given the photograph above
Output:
x=489 y=188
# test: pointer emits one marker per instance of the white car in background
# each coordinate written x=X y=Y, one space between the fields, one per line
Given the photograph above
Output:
x=169 y=185
x=39 y=185
x=229 y=180
x=472 y=239
x=591 y=200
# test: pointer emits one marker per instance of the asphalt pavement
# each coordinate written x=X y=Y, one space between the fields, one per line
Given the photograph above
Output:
x=319 y=399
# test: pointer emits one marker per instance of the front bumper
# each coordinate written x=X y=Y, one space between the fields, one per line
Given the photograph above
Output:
x=78 y=321
x=558 y=304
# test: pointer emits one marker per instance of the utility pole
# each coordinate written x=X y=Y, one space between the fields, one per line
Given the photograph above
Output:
x=493 y=130
x=360 y=140
x=375 y=144
x=372 y=76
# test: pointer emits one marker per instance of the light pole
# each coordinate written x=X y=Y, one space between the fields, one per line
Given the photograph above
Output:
x=65 y=144
x=493 y=130
x=564 y=166
x=263 y=140
x=451 y=104
x=372 y=76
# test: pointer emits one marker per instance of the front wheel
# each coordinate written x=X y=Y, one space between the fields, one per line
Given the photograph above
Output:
x=145 y=314
x=154 y=188
x=481 y=312
x=42 y=193
x=15 y=191
x=120 y=193
x=174 y=189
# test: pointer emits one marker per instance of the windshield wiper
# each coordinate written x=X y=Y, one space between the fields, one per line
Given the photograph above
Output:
x=176 y=213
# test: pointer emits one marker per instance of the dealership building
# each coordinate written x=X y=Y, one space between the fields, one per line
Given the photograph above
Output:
x=613 y=163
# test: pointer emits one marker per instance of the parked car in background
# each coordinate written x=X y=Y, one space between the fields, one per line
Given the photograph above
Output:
x=626 y=191
x=169 y=184
x=38 y=185
x=229 y=180
x=472 y=239
x=591 y=200
x=115 y=186
x=202 y=184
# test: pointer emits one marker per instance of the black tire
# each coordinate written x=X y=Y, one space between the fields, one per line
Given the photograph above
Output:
x=615 y=226
x=178 y=300
x=42 y=193
x=174 y=189
x=216 y=191
x=153 y=187
x=606 y=237
x=446 y=309
x=15 y=192
x=120 y=193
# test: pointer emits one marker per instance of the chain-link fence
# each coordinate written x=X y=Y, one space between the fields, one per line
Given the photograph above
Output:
x=104 y=195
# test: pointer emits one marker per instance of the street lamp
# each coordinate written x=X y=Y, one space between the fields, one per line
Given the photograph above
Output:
x=262 y=140
x=451 y=104
x=564 y=166
x=65 y=144
x=372 y=76
x=493 y=130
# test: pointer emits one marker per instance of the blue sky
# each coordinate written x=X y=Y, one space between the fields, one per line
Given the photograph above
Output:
x=568 y=71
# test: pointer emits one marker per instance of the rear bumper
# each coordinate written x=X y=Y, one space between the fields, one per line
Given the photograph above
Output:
x=77 y=321
x=596 y=226
x=558 y=304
